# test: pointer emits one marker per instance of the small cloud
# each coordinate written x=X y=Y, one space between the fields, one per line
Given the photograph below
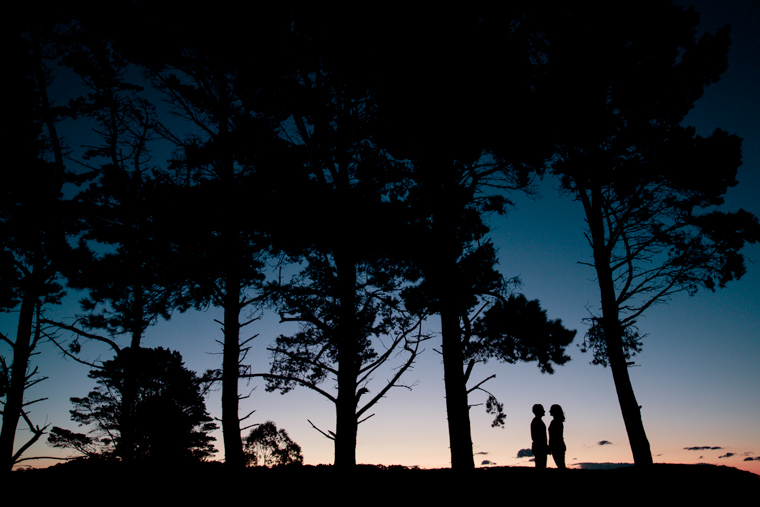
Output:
x=727 y=455
x=750 y=458
x=604 y=442
x=486 y=462
x=703 y=448
x=481 y=452
x=524 y=453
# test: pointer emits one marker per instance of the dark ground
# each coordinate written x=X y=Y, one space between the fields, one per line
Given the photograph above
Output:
x=211 y=483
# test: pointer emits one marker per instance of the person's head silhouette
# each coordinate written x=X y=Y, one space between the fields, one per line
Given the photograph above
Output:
x=538 y=410
x=556 y=412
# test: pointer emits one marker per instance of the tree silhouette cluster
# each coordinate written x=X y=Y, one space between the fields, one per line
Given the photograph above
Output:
x=166 y=421
x=361 y=152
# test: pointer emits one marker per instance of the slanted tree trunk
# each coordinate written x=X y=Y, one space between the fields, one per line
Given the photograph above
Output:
x=14 y=403
x=34 y=280
x=642 y=454
x=613 y=332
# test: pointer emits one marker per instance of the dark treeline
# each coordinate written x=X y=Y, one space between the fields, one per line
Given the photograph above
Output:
x=363 y=151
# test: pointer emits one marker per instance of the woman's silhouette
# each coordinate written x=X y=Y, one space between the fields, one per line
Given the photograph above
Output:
x=556 y=436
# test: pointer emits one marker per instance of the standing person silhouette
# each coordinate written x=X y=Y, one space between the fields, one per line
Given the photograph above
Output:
x=538 y=435
x=556 y=436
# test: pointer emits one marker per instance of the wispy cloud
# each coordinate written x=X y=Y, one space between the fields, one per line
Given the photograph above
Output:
x=604 y=442
x=727 y=455
x=703 y=448
x=751 y=458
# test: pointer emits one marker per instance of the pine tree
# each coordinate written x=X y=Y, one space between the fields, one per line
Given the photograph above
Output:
x=649 y=186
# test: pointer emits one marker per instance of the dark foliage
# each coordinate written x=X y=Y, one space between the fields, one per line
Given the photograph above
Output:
x=168 y=418
x=516 y=329
x=79 y=442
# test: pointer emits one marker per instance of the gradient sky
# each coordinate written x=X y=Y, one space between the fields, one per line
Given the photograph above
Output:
x=697 y=378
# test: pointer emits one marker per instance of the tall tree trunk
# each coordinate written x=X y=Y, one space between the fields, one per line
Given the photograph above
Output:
x=234 y=456
x=346 y=424
x=457 y=405
x=127 y=430
x=233 y=442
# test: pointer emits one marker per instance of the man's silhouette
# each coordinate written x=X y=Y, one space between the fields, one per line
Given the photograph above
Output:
x=538 y=435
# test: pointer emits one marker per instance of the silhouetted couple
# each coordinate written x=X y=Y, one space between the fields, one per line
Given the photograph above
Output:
x=556 y=445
